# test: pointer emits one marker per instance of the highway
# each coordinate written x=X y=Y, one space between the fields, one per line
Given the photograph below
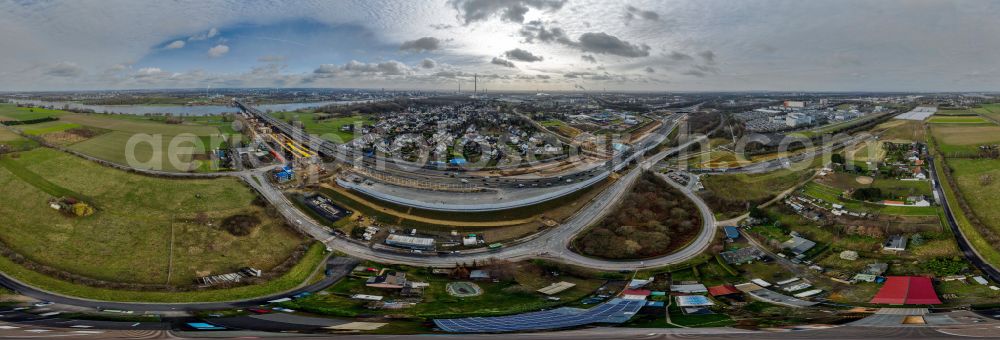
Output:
x=551 y=244
x=417 y=171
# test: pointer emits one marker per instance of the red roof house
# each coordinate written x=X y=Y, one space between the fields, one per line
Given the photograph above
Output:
x=637 y=292
x=722 y=290
x=907 y=290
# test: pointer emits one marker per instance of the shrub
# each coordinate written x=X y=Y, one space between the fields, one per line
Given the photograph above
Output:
x=651 y=221
x=943 y=266
x=240 y=225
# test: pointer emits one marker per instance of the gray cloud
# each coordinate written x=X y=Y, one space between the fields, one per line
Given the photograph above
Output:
x=421 y=45
x=649 y=70
x=522 y=55
x=632 y=13
x=844 y=59
x=355 y=68
x=595 y=42
x=535 y=30
x=695 y=73
x=509 y=10
x=502 y=62
x=589 y=58
x=428 y=63
x=678 y=56
x=64 y=69
x=603 y=43
x=708 y=56
x=766 y=48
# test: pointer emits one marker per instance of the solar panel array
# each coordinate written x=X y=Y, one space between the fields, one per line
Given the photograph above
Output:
x=613 y=311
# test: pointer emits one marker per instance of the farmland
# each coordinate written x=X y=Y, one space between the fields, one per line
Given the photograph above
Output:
x=989 y=110
x=326 y=128
x=113 y=145
x=902 y=130
x=868 y=152
x=12 y=112
x=954 y=139
x=957 y=120
x=47 y=127
x=175 y=239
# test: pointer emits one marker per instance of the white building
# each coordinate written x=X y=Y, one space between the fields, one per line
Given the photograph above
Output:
x=794 y=104
x=796 y=119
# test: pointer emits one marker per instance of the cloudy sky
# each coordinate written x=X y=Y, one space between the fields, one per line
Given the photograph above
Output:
x=908 y=45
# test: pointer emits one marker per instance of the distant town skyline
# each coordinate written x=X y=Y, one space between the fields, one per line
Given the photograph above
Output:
x=513 y=45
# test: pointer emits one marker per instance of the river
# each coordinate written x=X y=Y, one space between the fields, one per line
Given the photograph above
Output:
x=180 y=110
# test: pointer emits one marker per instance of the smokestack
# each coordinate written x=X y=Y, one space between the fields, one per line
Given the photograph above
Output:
x=475 y=84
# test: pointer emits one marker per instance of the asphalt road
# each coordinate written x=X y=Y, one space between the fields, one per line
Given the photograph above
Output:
x=341 y=267
x=963 y=243
x=68 y=331
x=551 y=244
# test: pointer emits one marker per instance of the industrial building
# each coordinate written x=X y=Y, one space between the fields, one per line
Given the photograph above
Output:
x=418 y=243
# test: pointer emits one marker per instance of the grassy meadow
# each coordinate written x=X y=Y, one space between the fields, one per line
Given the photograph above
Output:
x=144 y=230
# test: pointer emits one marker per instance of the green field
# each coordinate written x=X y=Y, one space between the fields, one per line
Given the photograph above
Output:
x=957 y=120
x=729 y=193
x=498 y=298
x=985 y=248
x=964 y=140
x=300 y=273
x=12 y=112
x=891 y=188
x=14 y=141
x=980 y=193
x=47 y=127
x=141 y=226
x=989 y=110
x=328 y=129
x=955 y=112
x=8 y=136
x=189 y=140
x=832 y=195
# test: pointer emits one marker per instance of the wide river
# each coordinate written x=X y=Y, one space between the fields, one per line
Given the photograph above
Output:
x=180 y=110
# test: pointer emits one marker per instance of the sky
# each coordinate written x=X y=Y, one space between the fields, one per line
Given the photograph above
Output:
x=545 y=45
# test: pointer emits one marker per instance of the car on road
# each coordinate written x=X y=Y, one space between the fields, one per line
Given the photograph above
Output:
x=258 y=311
x=42 y=304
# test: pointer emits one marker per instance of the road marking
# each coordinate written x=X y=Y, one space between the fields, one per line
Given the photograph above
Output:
x=8 y=327
x=37 y=330
x=81 y=326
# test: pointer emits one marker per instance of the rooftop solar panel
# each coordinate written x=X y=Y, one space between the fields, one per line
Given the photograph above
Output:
x=613 y=311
